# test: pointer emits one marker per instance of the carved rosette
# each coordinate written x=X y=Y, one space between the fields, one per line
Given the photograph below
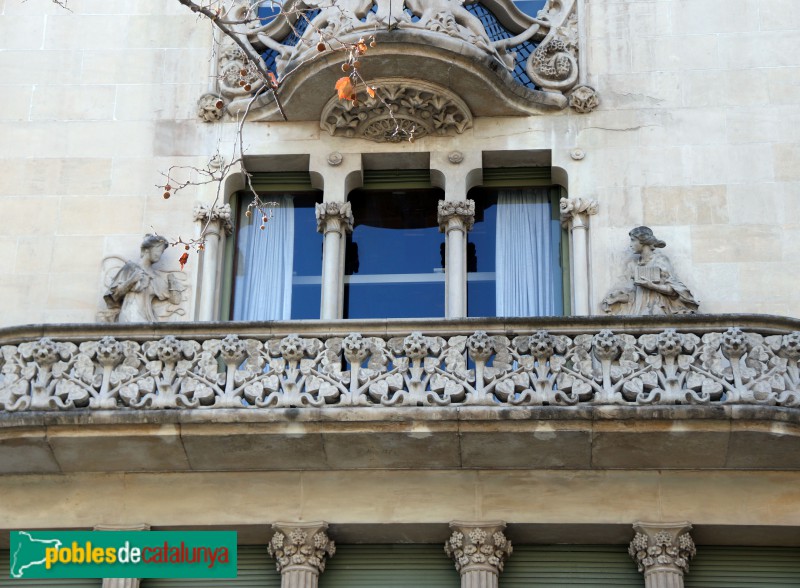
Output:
x=208 y=214
x=401 y=110
x=479 y=548
x=210 y=107
x=662 y=550
x=301 y=547
x=574 y=211
x=334 y=216
x=456 y=214
x=584 y=99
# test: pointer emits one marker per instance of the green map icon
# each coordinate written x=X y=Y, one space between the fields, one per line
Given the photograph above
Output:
x=28 y=552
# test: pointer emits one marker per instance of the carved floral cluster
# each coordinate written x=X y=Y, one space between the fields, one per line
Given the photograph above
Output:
x=540 y=368
x=661 y=550
x=478 y=547
x=298 y=547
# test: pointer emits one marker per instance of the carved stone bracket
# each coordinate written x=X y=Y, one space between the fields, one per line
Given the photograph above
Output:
x=404 y=108
x=334 y=216
x=456 y=214
x=214 y=214
x=300 y=551
x=479 y=551
x=662 y=552
x=574 y=211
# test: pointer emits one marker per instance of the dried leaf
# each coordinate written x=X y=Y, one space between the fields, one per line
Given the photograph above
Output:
x=183 y=260
x=344 y=86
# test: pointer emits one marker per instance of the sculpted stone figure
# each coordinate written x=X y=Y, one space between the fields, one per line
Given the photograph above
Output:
x=649 y=285
x=137 y=285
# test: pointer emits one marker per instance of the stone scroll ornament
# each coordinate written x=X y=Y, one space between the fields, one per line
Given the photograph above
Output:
x=139 y=292
x=416 y=370
x=538 y=53
x=649 y=285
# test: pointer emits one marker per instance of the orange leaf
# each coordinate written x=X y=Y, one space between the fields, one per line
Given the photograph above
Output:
x=361 y=46
x=272 y=79
x=345 y=88
x=371 y=92
x=184 y=258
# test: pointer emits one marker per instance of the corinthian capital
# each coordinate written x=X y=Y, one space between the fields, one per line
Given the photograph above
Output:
x=662 y=548
x=334 y=216
x=575 y=210
x=221 y=213
x=301 y=546
x=478 y=547
x=456 y=214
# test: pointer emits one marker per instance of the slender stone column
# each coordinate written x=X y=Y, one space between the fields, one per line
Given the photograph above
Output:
x=122 y=582
x=479 y=551
x=334 y=220
x=575 y=214
x=662 y=552
x=455 y=221
x=214 y=220
x=300 y=551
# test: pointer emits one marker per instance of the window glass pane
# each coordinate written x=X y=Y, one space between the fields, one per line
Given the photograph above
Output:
x=278 y=270
x=395 y=256
x=530 y=7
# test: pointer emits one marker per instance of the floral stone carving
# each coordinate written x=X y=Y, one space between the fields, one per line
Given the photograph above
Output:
x=662 y=548
x=301 y=545
x=478 y=546
x=404 y=108
x=540 y=368
x=649 y=285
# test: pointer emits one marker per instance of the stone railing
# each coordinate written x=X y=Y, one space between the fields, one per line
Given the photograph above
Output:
x=519 y=362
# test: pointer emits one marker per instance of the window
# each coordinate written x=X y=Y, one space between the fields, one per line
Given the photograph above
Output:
x=277 y=271
x=394 y=260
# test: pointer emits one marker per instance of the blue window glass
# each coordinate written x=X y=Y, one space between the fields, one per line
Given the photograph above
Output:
x=530 y=7
x=394 y=263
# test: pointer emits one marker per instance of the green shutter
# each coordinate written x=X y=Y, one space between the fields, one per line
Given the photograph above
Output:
x=7 y=582
x=281 y=181
x=516 y=177
x=554 y=566
x=390 y=566
x=396 y=179
x=744 y=567
x=256 y=569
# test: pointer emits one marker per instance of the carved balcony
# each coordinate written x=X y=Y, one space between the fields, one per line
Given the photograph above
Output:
x=578 y=393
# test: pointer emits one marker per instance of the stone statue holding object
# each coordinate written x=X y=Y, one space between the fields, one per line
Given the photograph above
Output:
x=136 y=286
x=649 y=285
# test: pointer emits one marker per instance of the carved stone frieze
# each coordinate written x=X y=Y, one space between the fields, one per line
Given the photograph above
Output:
x=662 y=549
x=401 y=109
x=301 y=546
x=458 y=214
x=220 y=213
x=334 y=216
x=476 y=547
x=731 y=367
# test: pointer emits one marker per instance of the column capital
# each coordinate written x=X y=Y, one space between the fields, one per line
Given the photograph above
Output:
x=334 y=216
x=456 y=214
x=478 y=546
x=662 y=547
x=211 y=214
x=575 y=211
x=301 y=546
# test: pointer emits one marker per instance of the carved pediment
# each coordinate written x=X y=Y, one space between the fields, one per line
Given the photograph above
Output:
x=492 y=59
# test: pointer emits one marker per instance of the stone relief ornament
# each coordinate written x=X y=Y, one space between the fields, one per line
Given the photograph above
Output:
x=138 y=292
x=662 y=549
x=649 y=285
x=416 y=108
x=301 y=546
x=478 y=546
x=210 y=108
x=542 y=368
x=512 y=63
x=220 y=213
x=458 y=213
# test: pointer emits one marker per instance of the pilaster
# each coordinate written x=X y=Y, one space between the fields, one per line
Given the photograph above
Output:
x=455 y=221
x=300 y=551
x=214 y=220
x=334 y=221
x=479 y=551
x=122 y=582
x=575 y=213
x=662 y=552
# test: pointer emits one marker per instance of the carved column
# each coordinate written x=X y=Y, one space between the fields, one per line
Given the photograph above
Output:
x=122 y=582
x=455 y=221
x=479 y=551
x=334 y=220
x=662 y=552
x=300 y=551
x=575 y=214
x=213 y=221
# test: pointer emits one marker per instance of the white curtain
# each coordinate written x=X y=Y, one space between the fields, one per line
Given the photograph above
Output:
x=263 y=289
x=523 y=263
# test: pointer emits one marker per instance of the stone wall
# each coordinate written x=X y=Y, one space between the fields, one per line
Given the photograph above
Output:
x=696 y=136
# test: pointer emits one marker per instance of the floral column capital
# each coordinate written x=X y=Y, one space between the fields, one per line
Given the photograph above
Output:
x=574 y=211
x=456 y=214
x=220 y=213
x=301 y=546
x=334 y=216
x=478 y=546
x=662 y=547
